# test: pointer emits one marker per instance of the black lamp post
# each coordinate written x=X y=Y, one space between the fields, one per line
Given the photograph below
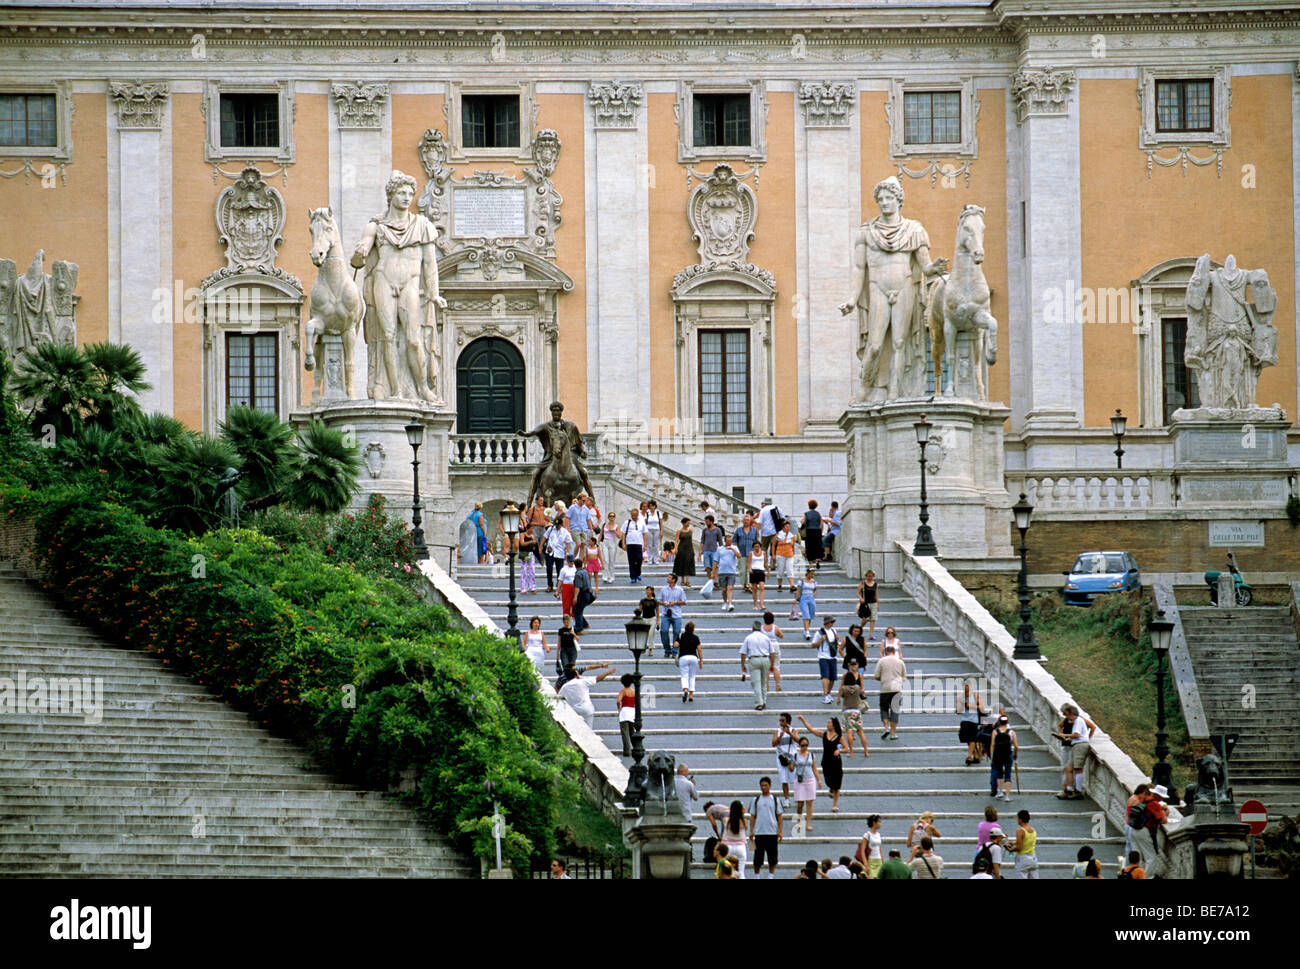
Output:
x=924 y=539
x=1117 y=424
x=1026 y=645
x=638 y=636
x=510 y=525
x=1162 y=633
x=415 y=435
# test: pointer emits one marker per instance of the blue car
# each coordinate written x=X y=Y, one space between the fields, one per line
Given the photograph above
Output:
x=1097 y=572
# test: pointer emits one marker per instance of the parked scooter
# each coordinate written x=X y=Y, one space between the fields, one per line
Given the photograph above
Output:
x=1241 y=587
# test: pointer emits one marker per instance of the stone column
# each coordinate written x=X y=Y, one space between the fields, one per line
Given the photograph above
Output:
x=618 y=298
x=361 y=159
x=1052 y=264
x=827 y=200
x=147 y=306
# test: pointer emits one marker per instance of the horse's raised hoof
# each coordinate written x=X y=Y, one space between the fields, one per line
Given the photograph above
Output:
x=309 y=363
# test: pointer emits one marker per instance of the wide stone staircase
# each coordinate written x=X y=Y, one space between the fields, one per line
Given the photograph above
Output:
x=727 y=743
x=1247 y=667
x=168 y=780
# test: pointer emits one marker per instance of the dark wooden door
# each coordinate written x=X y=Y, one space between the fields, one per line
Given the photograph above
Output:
x=490 y=388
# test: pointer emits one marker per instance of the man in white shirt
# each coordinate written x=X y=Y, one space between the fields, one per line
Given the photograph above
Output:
x=754 y=653
x=827 y=643
x=576 y=690
x=766 y=529
x=559 y=546
x=686 y=793
x=841 y=870
x=632 y=539
x=892 y=674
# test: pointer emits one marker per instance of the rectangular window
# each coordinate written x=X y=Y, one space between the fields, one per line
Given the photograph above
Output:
x=724 y=381
x=931 y=117
x=721 y=120
x=253 y=371
x=1180 y=383
x=1185 y=105
x=489 y=120
x=28 y=121
x=250 y=120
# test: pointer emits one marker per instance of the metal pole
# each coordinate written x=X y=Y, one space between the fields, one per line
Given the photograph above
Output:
x=496 y=828
x=924 y=539
x=417 y=533
x=512 y=616
x=1026 y=645
x=635 y=793
x=1161 y=772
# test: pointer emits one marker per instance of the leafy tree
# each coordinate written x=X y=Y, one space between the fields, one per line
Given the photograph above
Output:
x=59 y=382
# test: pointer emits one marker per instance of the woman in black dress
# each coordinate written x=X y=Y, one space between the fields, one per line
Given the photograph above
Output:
x=868 y=593
x=684 y=556
x=811 y=534
x=648 y=608
x=832 y=767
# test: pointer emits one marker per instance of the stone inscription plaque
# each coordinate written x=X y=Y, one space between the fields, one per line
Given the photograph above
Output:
x=489 y=212
x=1232 y=534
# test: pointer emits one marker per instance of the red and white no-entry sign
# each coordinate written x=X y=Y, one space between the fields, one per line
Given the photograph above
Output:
x=1255 y=814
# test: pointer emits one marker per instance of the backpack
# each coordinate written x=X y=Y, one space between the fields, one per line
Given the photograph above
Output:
x=777 y=519
x=1126 y=871
x=983 y=861
x=1137 y=816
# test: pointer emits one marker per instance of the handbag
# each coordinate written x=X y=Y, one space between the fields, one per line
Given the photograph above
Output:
x=706 y=590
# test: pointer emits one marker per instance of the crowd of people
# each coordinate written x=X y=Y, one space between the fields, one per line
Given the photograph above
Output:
x=580 y=549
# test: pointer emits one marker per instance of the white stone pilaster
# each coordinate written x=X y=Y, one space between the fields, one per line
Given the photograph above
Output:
x=827 y=210
x=144 y=289
x=1052 y=268
x=618 y=323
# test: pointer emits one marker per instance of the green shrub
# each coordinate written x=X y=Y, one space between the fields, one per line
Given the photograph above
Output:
x=373 y=680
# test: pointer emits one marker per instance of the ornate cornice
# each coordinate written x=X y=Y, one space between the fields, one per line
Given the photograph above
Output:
x=139 y=104
x=360 y=105
x=827 y=103
x=614 y=103
x=1042 y=91
x=230 y=272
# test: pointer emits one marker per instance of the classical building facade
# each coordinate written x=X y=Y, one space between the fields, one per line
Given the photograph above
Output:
x=647 y=211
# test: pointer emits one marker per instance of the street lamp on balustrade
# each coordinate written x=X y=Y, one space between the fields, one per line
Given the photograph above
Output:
x=924 y=538
x=415 y=436
x=510 y=525
x=1162 y=635
x=1026 y=645
x=638 y=637
x=1117 y=424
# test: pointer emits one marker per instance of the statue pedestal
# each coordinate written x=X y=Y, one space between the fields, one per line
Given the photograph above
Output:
x=331 y=371
x=379 y=427
x=970 y=510
x=1231 y=457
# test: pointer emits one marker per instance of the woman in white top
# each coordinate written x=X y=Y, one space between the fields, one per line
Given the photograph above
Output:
x=758 y=576
x=609 y=546
x=535 y=647
x=869 y=847
x=653 y=532
x=735 y=836
x=891 y=639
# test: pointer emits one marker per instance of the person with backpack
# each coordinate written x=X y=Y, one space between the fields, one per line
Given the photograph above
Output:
x=1128 y=806
x=1147 y=818
x=784 y=544
x=769 y=523
x=583 y=596
x=989 y=856
x=828 y=647
x=766 y=827
x=1004 y=751
x=968 y=725
x=1134 y=867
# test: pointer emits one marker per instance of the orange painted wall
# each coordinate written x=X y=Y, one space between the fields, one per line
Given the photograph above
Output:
x=1132 y=222
x=196 y=248
x=671 y=248
x=68 y=221
x=937 y=207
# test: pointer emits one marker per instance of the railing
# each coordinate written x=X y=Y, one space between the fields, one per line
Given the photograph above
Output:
x=1184 y=676
x=1074 y=490
x=587 y=868
x=494 y=449
x=663 y=477
x=1023 y=684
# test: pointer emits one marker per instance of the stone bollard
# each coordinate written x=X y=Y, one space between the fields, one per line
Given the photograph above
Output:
x=1227 y=591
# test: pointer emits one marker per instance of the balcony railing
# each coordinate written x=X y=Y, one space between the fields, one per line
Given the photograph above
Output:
x=494 y=449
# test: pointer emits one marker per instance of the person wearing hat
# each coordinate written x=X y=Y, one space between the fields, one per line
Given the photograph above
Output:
x=892 y=674
x=996 y=836
x=827 y=644
x=1005 y=749
x=1146 y=836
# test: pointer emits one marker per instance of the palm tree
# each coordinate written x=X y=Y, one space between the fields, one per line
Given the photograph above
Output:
x=58 y=382
x=193 y=473
x=326 y=470
x=265 y=443
x=119 y=370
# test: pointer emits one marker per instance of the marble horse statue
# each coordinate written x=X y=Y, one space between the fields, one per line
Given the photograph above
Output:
x=959 y=303
x=336 y=306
